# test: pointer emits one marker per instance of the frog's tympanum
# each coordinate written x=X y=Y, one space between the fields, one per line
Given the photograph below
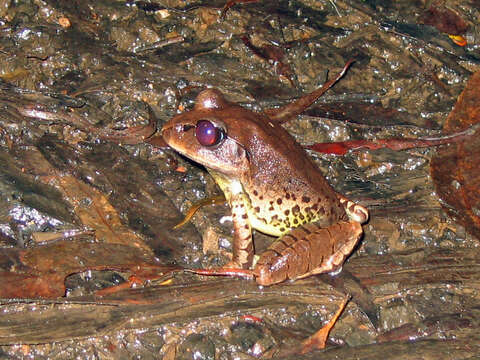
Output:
x=271 y=185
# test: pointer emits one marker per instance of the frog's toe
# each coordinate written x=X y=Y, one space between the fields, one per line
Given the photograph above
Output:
x=359 y=213
x=354 y=211
x=336 y=271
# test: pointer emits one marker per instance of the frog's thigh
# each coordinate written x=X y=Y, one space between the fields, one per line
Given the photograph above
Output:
x=308 y=249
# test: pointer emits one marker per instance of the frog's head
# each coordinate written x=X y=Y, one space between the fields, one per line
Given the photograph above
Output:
x=202 y=134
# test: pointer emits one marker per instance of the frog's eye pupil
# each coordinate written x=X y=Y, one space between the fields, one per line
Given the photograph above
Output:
x=207 y=133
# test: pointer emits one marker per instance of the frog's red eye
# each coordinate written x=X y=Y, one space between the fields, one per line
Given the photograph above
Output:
x=208 y=134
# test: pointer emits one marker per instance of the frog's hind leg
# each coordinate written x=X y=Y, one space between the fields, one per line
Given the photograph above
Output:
x=307 y=250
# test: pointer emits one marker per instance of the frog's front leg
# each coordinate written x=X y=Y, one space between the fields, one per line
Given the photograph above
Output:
x=243 y=251
x=307 y=250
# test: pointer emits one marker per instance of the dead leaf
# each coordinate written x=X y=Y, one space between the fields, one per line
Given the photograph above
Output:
x=445 y=20
x=96 y=212
x=40 y=272
x=454 y=169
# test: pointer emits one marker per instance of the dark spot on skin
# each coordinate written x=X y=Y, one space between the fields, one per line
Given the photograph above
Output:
x=257 y=209
x=261 y=197
x=295 y=221
x=301 y=216
x=255 y=192
x=234 y=215
x=321 y=210
x=294 y=197
x=287 y=196
x=279 y=201
x=271 y=202
x=241 y=205
x=296 y=210
x=270 y=208
x=244 y=216
x=287 y=223
x=282 y=229
x=246 y=227
x=305 y=199
x=286 y=212
x=274 y=217
x=315 y=207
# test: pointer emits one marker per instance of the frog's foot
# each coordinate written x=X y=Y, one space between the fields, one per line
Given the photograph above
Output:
x=232 y=268
x=354 y=211
x=224 y=271
x=307 y=250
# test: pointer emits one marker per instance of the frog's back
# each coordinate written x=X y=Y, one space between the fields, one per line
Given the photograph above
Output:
x=284 y=186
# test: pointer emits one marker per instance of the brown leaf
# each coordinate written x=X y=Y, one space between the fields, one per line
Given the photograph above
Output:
x=40 y=272
x=445 y=20
x=31 y=286
x=455 y=169
x=97 y=213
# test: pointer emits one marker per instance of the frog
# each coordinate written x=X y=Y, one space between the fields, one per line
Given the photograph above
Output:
x=271 y=185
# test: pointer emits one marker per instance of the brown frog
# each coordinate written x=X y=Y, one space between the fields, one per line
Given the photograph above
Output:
x=271 y=185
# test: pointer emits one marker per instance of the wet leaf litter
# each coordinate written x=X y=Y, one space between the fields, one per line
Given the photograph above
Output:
x=109 y=60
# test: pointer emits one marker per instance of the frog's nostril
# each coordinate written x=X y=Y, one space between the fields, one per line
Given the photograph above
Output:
x=185 y=128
